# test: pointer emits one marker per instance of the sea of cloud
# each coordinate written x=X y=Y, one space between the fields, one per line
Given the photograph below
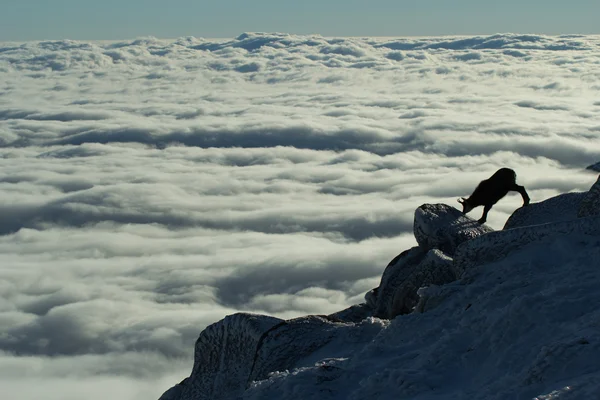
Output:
x=150 y=187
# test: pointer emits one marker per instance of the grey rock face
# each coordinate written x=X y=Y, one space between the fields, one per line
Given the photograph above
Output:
x=397 y=293
x=439 y=226
x=243 y=348
x=295 y=343
x=560 y=208
x=224 y=356
x=590 y=205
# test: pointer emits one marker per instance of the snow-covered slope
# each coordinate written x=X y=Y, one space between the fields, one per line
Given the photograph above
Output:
x=511 y=314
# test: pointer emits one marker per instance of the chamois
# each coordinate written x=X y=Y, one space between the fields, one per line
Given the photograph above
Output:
x=489 y=191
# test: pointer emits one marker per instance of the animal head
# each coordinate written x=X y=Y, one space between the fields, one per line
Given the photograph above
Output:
x=467 y=206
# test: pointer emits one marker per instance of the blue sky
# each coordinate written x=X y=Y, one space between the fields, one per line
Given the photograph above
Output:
x=113 y=19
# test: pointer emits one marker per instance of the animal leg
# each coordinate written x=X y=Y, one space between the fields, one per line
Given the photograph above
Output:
x=523 y=192
x=483 y=218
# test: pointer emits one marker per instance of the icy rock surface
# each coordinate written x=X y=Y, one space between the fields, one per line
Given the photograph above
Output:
x=525 y=328
x=439 y=226
x=497 y=245
x=417 y=267
x=560 y=208
x=299 y=343
x=224 y=355
x=519 y=326
x=590 y=205
x=243 y=348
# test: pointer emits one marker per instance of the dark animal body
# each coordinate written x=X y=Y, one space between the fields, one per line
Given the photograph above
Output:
x=489 y=191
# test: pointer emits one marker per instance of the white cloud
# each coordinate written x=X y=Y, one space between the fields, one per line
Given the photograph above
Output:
x=150 y=187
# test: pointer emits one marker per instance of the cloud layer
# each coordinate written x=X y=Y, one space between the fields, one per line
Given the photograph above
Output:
x=150 y=187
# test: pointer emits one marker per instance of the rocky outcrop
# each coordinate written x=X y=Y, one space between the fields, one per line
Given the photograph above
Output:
x=439 y=226
x=439 y=229
x=224 y=356
x=397 y=293
x=560 y=208
x=243 y=348
x=232 y=354
x=296 y=343
x=590 y=204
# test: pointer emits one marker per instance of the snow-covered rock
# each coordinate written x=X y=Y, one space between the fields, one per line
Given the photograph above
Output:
x=590 y=205
x=301 y=342
x=525 y=327
x=497 y=245
x=506 y=314
x=417 y=267
x=243 y=348
x=439 y=226
x=560 y=208
x=224 y=356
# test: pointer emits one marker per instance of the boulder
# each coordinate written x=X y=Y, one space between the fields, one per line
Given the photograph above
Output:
x=224 y=356
x=590 y=205
x=560 y=208
x=301 y=342
x=243 y=348
x=417 y=267
x=439 y=226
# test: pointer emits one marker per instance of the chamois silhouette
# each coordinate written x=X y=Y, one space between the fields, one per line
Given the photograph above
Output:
x=489 y=191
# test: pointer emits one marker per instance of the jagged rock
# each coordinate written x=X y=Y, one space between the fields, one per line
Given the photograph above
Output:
x=590 y=205
x=298 y=343
x=497 y=245
x=397 y=293
x=243 y=352
x=439 y=226
x=243 y=348
x=224 y=356
x=355 y=313
x=563 y=207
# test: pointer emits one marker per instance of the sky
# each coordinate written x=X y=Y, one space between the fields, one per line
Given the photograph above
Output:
x=22 y=20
